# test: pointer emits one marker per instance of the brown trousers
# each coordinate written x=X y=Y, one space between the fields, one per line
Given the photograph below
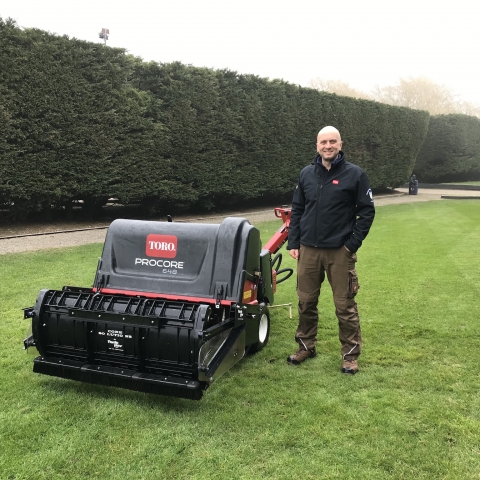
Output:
x=339 y=265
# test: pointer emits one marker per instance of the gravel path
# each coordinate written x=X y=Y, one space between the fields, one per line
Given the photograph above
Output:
x=14 y=239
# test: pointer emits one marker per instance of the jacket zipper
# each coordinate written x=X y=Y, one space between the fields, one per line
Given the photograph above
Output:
x=320 y=179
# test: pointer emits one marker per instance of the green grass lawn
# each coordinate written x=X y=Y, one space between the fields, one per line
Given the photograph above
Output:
x=463 y=183
x=413 y=410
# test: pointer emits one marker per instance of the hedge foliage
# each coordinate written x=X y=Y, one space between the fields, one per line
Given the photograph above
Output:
x=241 y=136
x=81 y=121
x=74 y=128
x=451 y=151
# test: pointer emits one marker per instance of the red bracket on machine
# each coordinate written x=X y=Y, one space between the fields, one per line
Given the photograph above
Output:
x=281 y=235
x=276 y=243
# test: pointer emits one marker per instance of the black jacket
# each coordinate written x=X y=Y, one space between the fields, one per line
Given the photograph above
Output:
x=331 y=208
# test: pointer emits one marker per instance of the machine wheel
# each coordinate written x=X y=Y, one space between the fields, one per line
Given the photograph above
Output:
x=263 y=331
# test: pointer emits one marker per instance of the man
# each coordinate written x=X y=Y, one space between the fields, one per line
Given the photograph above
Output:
x=332 y=212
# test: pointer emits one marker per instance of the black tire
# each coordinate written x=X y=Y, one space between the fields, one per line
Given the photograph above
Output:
x=263 y=331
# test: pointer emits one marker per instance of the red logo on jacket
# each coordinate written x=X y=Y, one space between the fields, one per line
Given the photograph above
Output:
x=164 y=246
x=335 y=182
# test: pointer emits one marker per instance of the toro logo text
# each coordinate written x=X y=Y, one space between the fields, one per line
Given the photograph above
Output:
x=163 y=246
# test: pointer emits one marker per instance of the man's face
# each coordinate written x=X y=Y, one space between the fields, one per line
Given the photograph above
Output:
x=328 y=145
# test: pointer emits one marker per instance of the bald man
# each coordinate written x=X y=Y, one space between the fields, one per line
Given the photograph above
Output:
x=332 y=212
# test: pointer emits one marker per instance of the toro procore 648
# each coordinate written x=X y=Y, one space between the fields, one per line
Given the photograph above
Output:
x=173 y=306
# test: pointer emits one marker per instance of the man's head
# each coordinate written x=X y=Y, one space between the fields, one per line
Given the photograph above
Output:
x=329 y=143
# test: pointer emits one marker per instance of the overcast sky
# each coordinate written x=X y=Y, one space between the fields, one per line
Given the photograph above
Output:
x=362 y=42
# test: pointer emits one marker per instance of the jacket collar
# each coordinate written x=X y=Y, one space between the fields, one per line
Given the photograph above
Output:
x=340 y=158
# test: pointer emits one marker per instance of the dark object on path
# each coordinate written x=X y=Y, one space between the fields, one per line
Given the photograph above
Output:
x=413 y=185
x=173 y=307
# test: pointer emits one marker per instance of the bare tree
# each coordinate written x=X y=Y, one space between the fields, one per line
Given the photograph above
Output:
x=419 y=93
x=468 y=109
x=338 y=87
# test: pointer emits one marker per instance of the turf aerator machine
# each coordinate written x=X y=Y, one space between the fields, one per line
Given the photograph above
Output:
x=173 y=306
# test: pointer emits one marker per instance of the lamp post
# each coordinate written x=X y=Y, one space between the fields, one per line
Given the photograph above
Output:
x=104 y=34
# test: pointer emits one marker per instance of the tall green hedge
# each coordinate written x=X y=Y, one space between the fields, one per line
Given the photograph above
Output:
x=232 y=137
x=451 y=151
x=81 y=121
x=243 y=137
x=75 y=126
